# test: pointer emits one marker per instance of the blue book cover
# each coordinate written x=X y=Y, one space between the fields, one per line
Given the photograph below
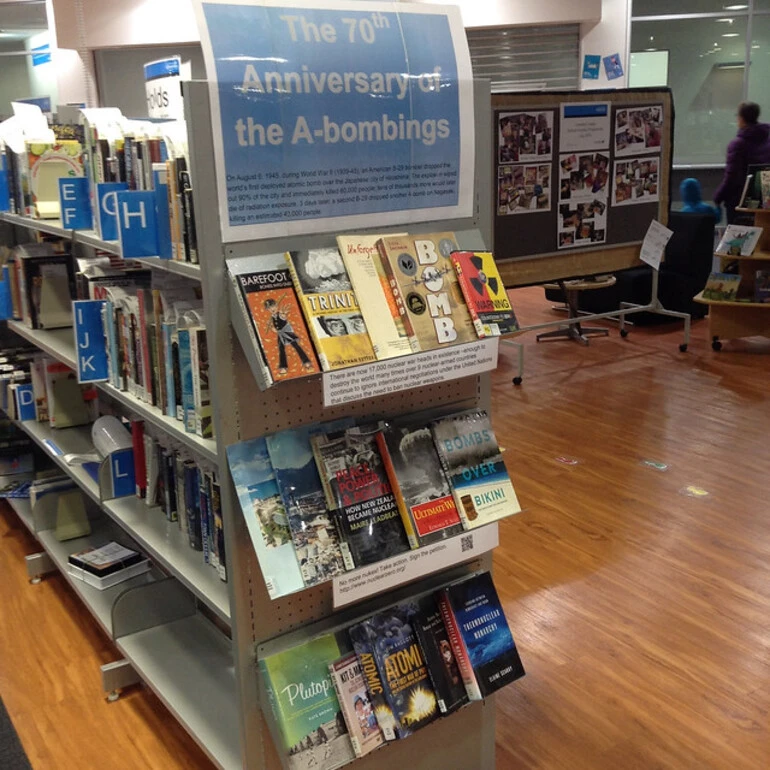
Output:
x=192 y=504
x=185 y=369
x=485 y=633
x=313 y=528
x=265 y=516
x=475 y=469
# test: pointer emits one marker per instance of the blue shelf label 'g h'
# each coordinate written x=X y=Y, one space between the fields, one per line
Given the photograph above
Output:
x=107 y=209
x=137 y=224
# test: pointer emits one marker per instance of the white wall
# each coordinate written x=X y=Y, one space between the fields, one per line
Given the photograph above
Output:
x=72 y=82
x=14 y=82
x=42 y=78
x=607 y=37
x=513 y=13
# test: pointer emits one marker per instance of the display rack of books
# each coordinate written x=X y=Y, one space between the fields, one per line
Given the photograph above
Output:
x=314 y=476
x=738 y=295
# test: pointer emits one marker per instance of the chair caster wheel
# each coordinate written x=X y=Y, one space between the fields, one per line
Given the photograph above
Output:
x=113 y=696
x=716 y=345
x=517 y=380
x=624 y=333
x=683 y=347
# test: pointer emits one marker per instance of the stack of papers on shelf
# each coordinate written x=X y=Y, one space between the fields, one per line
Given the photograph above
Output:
x=107 y=566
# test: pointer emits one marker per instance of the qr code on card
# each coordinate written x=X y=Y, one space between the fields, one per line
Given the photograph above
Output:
x=466 y=543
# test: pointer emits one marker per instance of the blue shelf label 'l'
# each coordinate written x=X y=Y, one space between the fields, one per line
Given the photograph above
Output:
x=137 y=224
x=107 y=209
x=90 y=345
x=75 y=203
x=122 y=473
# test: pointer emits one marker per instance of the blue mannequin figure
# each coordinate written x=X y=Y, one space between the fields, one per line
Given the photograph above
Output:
x=693 y=199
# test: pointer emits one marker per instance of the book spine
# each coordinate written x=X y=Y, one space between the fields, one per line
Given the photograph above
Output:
x=195 y=364
x=144 y=342
x=151 y=469
x=189 y=218
x=140 y=467
x=181 y=504
x=391 y=288
x=170 y=486
x=181 y=169
x=172 y=208
x=458 y=502
x=160 y=371
x=458 y=646
x=185 y=368
x=166 y=331
x=216 y=506
x=403 y=508
x=468 y=294
x=203 y=507
x=350 y=719
x=192 y=501
x=307 y=312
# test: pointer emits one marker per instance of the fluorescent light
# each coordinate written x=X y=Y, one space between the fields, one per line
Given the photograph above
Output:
x=738 y=7
x=731 y=34
x=725 y=21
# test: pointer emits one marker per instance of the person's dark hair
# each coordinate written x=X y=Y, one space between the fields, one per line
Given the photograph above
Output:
x=749 y=112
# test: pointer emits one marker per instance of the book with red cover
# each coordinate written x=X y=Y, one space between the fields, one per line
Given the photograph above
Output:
x=140 y=466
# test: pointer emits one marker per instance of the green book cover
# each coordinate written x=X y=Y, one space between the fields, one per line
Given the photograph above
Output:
x=307 y=713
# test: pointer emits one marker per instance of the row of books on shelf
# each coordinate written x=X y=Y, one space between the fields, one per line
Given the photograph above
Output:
x=371 y=298
x=731 y=287
x=348 y=691
x=327 y=498
x=109 y=149
x=153 y=328
x=756 y=189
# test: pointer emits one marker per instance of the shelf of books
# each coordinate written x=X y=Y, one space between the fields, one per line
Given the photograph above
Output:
x=160 y=538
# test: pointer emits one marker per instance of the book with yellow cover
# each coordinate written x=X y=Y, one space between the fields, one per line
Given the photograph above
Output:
x=383 y=320
x=330 y=308
x=424 y=284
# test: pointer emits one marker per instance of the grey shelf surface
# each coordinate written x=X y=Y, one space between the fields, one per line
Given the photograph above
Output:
x=23 y=509
x=189 y=665
x=60 y=343
x=162 y=540
x=99 y=602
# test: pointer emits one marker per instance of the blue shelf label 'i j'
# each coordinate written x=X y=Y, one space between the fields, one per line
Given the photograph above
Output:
x=326 y=113
x=90 y=345
x=75 y=203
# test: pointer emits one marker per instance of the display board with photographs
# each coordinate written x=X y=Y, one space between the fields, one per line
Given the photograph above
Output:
x=523 y=188
x=638 y=129
x=582 y=224
x=525 y=137
x=636 y=180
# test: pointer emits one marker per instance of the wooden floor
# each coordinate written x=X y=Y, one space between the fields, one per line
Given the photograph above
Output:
x=642 y=614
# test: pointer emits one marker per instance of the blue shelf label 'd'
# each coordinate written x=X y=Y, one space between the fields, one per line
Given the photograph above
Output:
x=90 y=345
x=326 y=116
x=75 y=203
x=122 y=473
x=107 y=209
x=137 y=224
x=25 y=402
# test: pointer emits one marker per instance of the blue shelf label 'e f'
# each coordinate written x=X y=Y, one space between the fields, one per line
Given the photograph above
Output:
x=74 y=203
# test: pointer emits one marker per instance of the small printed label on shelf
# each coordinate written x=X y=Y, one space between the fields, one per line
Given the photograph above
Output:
x=413 y=371
x=55 y=449
x=367 y=581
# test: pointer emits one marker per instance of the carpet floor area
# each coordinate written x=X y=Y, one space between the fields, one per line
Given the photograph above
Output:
x=12 y=755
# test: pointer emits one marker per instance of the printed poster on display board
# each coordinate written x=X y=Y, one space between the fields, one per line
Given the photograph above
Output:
x=638 y=129
x=525 y=137
x=523 y=188
x=636 y=180
x=326 y=113
x=584 y=126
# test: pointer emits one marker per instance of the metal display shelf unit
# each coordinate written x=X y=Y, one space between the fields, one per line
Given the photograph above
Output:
x=60 y=344
x=161 y=539
x=91 y=239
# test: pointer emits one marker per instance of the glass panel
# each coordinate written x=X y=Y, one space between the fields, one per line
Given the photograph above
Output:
x=706 y=65
x=759 y=83
x=661 y=7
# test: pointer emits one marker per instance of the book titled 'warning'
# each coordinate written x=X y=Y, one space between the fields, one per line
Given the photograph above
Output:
x=474 y=466
x=425 y=287
x=330 y=307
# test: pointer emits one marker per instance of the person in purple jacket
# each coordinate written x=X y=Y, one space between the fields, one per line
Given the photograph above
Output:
x=750 y=146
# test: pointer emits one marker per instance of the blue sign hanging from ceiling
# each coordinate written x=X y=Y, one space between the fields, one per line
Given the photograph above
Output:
x=325 y=114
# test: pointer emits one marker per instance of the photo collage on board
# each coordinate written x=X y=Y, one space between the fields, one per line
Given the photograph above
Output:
x=584 y=180
x=525 y=153
x=638 y=130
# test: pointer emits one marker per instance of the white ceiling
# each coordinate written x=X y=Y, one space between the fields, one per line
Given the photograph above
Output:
x=20 y=20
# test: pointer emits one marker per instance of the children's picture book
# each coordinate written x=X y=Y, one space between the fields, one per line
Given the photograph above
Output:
x=369 y=519
x=312 y=729
x=331 y=308
x=383 y=320
x=425 y=286
x=762 y=286
x=402 y=668
x=439 y=658
x=265 y=516
x=357 y=708
x=313 y=529
x=739 y=240
x=722 y=287
x=481 y=639
x=276 y=325
x=421 y=489
x=474 y=465
x=363 y=646
x=484 y=293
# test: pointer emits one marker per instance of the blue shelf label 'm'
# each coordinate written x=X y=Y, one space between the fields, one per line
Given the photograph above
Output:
x=90 y=345
x=75 y=203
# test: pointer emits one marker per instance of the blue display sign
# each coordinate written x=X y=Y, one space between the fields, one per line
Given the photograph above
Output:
x=107 y=208
x=327 y=114
x=90 y=344
x=137 y=228
x=25 y=402
x=591 y=63
x=5 y=191
x=122 y=473
x=75 y=203
x=41 y=55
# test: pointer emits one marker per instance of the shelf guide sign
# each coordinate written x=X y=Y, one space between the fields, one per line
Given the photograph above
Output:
x=325 y=114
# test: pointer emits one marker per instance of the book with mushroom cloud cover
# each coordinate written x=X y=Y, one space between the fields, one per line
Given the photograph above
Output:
x=313 y=528
x=357 y=708
x=424 y=499
x=381 y=314
x=312 y=729
x=266 y=295
x=437 y=651
x=425 y=286
x=368 y=516
x=329 y=460
x=265 y=516
x=484 y=293
x=402 y=668
x=480 y=636
x=364 y=649
x=474 y=466
x=331 y=309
